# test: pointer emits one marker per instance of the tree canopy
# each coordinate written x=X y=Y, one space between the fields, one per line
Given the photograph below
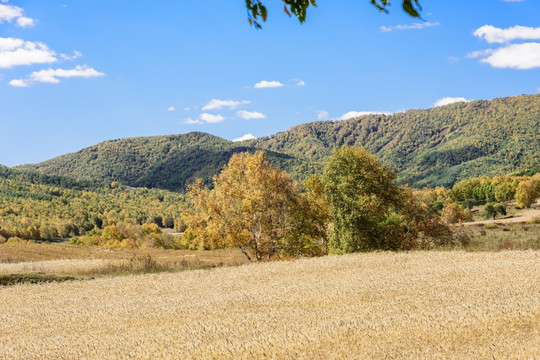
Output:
x=257 y=11
x=256 y=207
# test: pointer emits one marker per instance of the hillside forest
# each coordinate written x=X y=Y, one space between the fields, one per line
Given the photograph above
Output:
x=355 y=204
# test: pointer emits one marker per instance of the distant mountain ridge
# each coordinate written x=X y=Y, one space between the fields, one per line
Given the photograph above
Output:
x=437 y=146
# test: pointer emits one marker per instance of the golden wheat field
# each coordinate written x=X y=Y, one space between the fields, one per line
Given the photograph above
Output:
x=380 y=305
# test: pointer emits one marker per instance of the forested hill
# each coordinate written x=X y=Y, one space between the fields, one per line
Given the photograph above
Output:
x=438 y=146
x=167 y=162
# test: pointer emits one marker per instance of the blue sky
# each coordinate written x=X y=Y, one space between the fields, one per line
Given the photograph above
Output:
x=77 y=72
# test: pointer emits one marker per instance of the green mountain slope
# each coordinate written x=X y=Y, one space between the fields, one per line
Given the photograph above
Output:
x=424 y=147
x=167 y=162
x=431 y=147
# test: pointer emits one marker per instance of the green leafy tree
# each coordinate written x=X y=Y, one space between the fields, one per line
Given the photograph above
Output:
x=360 y=194
x=257 y=11
x=500 y=209
x=492 y=210
x=489 y=211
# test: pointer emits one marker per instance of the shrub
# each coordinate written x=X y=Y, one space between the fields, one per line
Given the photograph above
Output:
x=534 y=220
x=14 y=240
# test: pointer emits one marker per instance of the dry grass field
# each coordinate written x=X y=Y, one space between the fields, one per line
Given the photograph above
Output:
x=379 y=305
x=30 y=262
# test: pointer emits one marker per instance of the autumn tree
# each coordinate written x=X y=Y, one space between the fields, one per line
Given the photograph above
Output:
x=453 y=213
x=258 y=208
x=526 y=194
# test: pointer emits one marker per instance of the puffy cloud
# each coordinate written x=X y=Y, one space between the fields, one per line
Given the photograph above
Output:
x=268 y=84
x=301 y=83
x=53 y=76
x=18 y=83
x=216 y=104
x=210 y=118
x=518 y=56
x=449 y=100
x=14 y=52
x=250 y=115
x=415 y=26
x=25 y=22
x=244 y=137
x=354 y=114
x=8 y=13
x=322 y=115
x=171 y=108
x=190 y=121
x=494 y=34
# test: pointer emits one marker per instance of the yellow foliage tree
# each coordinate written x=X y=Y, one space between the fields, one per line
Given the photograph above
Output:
x=256 y=207
x=526 y=194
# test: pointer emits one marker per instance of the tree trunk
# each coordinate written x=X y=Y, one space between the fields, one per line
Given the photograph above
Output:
x=245 y=253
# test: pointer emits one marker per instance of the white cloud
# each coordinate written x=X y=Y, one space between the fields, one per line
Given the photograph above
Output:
x=518 y=56
x=494 y=34
x=76 y=55
x=8 y=13
x=480 y=53
x=244 y=137
x=322 y=115
x=449 y=100
x=301 y=83
x=210 y=118
x=216 y=104
x=190 y=121
x=414 y=26
x=354 y=114
x=251 y=115
x=14 y=52
x=187 y=109
x=171 y=108
x=18 y=83
x=53 y=76
x=268 y=84
x=25 y=22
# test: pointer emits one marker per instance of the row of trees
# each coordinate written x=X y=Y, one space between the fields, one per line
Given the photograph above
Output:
x=354 y=206
x=36 y=211
x=482 y=190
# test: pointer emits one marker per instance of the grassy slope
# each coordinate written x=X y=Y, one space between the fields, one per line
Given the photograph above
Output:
x=380 y=305
x=437 y=147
